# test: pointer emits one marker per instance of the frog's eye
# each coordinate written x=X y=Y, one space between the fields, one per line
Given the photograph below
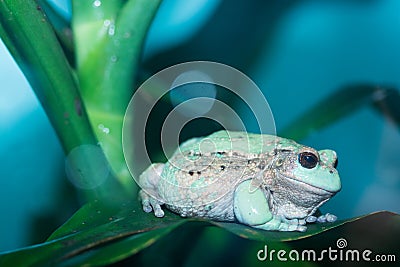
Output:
x=335 y=163
x=308 y=160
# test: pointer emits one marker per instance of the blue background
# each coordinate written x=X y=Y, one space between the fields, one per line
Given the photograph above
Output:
x=315 y=48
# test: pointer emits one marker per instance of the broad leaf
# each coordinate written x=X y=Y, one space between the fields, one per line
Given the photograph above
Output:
x=108 y=231
x=94 y=225
x=340 y=104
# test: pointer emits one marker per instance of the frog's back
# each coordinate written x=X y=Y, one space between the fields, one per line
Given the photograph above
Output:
x=201 y=177
x=244 y=143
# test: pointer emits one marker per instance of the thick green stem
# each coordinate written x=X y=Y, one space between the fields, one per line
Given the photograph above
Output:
x=30 y=38
x=108 y=40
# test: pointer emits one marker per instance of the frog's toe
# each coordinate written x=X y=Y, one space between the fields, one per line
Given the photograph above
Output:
x=330 y=217
x=151 y=204
x=326 y=218
x=301 y=228
x=311 y=219
x=302 y=222
x=155 y=205
x=321 y=219
x=146 y=206
x=145 y=199
x=158 y=212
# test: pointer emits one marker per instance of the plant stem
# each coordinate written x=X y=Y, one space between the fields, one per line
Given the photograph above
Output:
x=108 y=41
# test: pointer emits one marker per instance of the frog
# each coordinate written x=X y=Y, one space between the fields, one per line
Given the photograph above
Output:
x=264 y=181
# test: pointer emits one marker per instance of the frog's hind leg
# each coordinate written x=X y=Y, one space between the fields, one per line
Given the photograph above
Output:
x=279 y=223
x=251 y=207
x=148 y=181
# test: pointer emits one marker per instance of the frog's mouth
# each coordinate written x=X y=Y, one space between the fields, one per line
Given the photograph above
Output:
x=314 y=189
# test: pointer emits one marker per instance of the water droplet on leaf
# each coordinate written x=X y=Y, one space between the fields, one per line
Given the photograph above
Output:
x=111 y=29
x=114 y=58
x=97 y=3
x=103 y=129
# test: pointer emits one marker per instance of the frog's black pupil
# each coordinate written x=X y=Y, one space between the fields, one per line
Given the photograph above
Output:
x=308 y=160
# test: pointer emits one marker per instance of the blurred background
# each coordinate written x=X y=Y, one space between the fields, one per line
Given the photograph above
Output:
x=297 y=52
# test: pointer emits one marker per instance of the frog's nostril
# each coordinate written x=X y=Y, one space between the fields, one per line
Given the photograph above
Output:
x=335 y=163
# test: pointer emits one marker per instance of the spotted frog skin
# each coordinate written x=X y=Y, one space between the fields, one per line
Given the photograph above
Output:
x=263 y=181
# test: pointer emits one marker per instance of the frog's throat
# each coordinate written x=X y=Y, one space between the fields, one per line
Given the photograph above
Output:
x=315 y=189
x=288 y=193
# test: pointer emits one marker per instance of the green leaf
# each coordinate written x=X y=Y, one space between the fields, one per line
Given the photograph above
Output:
x=30 y=38
x=387 y=102
x=109 y=36
x=274 y=236
x=96 y=225
x=117 y=251
x=340 y=104
x=102 y=232
x=61 y=27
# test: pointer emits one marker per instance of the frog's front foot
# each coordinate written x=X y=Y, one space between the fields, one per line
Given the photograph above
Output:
x=151 y=204
x=321 y=219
